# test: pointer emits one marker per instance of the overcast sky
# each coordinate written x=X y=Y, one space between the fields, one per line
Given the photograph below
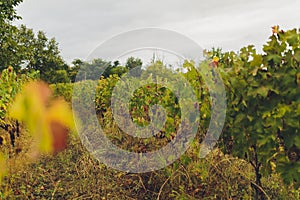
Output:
x=79 y=26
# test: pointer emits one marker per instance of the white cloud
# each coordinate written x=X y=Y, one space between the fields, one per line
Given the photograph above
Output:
x=80 y=26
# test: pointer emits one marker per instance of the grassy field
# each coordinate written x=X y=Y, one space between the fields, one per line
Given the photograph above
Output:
x=74 y=174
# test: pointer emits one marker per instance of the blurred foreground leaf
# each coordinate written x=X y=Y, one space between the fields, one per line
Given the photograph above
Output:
x=47 y=120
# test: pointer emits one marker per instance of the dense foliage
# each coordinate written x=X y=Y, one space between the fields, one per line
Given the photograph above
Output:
x=23 y=49
x=261 y=128
x=264 y=100
x=7 y=10
x=10 y=86
x=262 y=123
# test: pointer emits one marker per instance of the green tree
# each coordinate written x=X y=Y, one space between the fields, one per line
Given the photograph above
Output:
x=8 y=33
x=135 y=65
x=60 y=76
x=92 y=70
x=9 y=48
x=45 y=57
x=21 y=48
x=7 y=10
x=74 y=68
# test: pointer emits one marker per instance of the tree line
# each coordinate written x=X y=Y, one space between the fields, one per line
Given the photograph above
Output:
x=26 y=51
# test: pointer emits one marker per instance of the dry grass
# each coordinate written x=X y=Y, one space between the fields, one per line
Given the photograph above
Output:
x=74 y=174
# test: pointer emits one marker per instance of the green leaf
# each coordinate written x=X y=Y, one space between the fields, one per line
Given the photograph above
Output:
x=292 y=37
x=281 y=110
x=263 y=91
x=275 y=58
x=257 y=61
x=289 y=172
x=297 y=55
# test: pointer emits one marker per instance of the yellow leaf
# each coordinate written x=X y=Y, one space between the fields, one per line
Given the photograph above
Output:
x=2 y=140
x=45 y=119
x=216 y=59
x=3 y=169
x=275 y=29
x=30 y=107
x=60 y=112
x=273 y=166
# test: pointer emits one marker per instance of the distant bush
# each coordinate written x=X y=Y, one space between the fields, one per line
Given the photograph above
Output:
x=64 y=90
